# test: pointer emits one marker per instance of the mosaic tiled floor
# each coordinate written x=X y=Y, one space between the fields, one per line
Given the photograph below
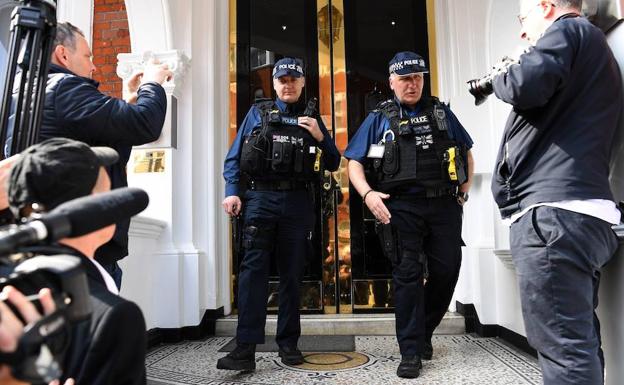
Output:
x=458 y=359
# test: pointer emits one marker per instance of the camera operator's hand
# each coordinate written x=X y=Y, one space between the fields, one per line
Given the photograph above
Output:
x=156 y=72
x=11 y=328
x=232 y=205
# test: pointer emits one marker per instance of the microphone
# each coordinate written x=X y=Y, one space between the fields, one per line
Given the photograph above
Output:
x=76 y=217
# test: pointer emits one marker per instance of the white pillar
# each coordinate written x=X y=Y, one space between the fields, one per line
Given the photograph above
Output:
x=173 y=266
x=77 y=12
x=190 y=270
x=470 y=37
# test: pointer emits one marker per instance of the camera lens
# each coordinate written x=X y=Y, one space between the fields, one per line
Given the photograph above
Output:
x=480 y=89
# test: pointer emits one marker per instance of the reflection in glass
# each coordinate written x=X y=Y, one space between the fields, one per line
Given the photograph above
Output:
x=259 y=41
x=232 y=71
x=374 y=32
x=374 y=294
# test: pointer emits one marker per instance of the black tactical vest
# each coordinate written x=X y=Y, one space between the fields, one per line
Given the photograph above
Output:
x=280 y=149
x=418 y=150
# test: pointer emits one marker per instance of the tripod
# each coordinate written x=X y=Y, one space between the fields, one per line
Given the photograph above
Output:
x=33 y=28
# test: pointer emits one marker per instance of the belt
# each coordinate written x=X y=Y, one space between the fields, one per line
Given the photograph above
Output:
x=277 y=185
x=426 y=193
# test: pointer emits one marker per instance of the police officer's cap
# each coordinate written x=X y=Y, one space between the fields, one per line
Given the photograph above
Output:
x=288 y=66
x=407 y=63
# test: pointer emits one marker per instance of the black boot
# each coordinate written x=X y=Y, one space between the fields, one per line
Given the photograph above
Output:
x=409 y=367
x=241 y=358
x=290 y=355
x=427 y=351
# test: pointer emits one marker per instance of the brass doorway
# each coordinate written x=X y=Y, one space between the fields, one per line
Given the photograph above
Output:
x=345 y=45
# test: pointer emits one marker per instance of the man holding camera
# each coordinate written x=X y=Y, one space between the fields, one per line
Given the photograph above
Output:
x=552 y=182
x=420 y=169
x=282 y=151
x=110 y=346
x=74 y=108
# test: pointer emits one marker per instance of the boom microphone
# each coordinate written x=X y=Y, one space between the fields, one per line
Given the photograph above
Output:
x=76 y=217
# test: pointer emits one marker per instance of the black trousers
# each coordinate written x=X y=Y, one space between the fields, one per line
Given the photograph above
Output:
x=431 y=226
x=558 y=255
x=282 y=222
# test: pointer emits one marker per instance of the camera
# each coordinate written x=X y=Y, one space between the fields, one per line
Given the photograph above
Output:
x=41 y=349
x=480 y=89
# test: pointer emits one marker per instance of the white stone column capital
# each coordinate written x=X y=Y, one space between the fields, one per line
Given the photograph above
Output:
x=178 y=62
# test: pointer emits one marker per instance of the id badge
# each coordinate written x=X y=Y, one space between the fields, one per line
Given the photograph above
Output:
x=375 y=151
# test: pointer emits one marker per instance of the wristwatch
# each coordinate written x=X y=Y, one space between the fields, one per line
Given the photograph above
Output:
x=463 y=195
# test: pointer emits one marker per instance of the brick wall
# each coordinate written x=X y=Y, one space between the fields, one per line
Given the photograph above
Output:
x=110 y=37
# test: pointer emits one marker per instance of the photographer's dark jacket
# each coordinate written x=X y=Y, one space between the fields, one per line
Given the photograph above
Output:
x=74 y=108
x=566 y=99
x=253 y=121
x=109 y=348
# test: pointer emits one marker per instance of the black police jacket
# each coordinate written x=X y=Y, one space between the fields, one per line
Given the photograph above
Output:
x=566 y=99
x=74 y=108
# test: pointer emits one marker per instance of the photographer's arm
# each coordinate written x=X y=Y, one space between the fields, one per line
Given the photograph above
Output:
x=541 y=71
x=90 y=116
x=154 y=71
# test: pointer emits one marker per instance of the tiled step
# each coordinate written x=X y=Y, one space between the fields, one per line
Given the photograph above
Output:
x=344 y=324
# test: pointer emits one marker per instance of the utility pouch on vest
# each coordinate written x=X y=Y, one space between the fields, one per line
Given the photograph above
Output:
x=454 y=165
x=376 y=164
x=299 y=160
x=253 y=154
x=449 y=164
x=282 y=156
x=391 y=158
x=308 y=161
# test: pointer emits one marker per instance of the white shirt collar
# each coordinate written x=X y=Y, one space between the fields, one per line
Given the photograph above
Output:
x=110 y=283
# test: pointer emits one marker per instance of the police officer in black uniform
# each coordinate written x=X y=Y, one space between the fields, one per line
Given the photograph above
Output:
x=410 y=161
x=282 y=148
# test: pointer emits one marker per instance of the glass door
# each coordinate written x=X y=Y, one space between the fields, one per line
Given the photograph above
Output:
x=345 y=45
x=374 y=32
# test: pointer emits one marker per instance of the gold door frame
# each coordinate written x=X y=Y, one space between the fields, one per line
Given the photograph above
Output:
x=333 y=96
